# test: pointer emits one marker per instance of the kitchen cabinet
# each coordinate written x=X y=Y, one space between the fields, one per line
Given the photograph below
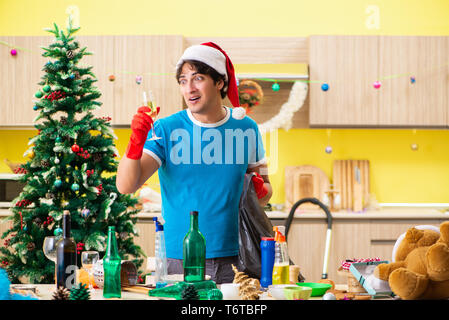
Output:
x=19 y=76
x=153 y=58
x=354 y=235
x=348 y=64
x=424 y=102
x=125 y=57
x=351 y=64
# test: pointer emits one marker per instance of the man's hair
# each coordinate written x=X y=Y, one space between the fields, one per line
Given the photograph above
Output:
x=203 y=68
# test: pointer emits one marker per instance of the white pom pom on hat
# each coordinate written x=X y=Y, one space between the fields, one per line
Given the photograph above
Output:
x=238 y=113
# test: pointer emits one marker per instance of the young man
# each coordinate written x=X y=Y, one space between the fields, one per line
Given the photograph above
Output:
x=201 y=159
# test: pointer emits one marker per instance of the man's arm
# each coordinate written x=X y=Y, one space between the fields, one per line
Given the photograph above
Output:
x=263 y=171
x=132 y=174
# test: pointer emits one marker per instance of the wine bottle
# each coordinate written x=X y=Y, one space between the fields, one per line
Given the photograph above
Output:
x=112 y=268
x=194 y=251
x=66 y=256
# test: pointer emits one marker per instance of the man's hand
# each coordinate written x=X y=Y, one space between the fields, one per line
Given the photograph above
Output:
x=140 y=126
x=259 y=186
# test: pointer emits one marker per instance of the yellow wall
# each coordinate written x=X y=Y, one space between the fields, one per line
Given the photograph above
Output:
x=398 y=173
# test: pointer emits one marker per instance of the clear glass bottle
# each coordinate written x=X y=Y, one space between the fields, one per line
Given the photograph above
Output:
x=112 y=268
x=194 y=252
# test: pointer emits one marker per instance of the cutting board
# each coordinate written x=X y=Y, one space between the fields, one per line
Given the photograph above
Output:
x=304 y=182
x=354 y=193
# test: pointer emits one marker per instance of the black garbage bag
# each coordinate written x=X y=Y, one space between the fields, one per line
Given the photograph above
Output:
x=253 y=225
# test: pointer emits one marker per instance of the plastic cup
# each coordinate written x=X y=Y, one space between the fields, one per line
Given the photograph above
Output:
x=230 y=291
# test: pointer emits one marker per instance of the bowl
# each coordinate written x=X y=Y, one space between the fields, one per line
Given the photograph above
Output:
x=318 y=289
x=277 y=291
x=297 y=293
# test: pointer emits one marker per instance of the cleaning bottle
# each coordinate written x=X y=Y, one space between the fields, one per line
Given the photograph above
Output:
x=267 y=261
x=281 y=260
x=159 y=252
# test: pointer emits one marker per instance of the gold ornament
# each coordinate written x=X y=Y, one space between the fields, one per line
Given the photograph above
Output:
x=31 y=154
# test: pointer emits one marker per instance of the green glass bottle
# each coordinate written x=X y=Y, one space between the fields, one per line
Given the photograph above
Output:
x=194 y=251
x=112 y=268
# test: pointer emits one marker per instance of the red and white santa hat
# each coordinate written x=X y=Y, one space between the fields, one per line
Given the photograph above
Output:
x=215 y=57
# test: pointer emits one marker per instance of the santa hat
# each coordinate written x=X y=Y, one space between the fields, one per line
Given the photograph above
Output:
x=216 y=58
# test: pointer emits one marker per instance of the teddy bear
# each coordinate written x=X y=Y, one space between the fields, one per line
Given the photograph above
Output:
x=420 y=267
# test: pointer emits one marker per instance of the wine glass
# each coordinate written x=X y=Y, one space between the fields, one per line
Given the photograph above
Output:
x=153 y=113
x=49 y=249
x=88 y=259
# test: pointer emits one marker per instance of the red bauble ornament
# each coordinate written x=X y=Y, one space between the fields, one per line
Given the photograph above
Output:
x=75 y=148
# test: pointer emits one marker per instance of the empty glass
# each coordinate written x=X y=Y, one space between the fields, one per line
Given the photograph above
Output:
x=49 y=249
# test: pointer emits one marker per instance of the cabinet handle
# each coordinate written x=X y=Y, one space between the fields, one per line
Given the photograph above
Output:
x=383 y=241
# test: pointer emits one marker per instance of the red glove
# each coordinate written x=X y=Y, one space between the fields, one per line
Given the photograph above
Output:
x=140 y=126
x=259 y=186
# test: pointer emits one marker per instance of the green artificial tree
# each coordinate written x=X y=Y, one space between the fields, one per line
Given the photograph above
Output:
x=71 y=166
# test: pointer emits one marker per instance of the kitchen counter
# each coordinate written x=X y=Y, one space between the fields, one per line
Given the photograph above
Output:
x=384 y=213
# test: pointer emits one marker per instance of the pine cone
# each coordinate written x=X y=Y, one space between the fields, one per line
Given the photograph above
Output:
x=80 y=292
x=190 y=293
x=63 y=120
x=97 y=157
x=45 y=163
x=31 y=246
x=61 y=294
x=214 y=294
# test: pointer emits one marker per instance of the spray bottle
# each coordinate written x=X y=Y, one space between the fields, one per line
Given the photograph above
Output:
x=161 y=259
x=281 y=261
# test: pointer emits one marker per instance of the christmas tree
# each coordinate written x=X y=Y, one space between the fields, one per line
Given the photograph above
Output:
x=71 y=166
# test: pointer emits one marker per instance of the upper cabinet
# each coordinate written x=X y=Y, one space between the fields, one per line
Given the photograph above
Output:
x=153 y=58
x=413 y=73
x=417 y=92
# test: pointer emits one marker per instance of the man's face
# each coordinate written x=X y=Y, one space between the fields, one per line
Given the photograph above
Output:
x=199 y=90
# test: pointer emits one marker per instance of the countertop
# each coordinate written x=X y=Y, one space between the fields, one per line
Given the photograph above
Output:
x=383 y=213
x=45 y=292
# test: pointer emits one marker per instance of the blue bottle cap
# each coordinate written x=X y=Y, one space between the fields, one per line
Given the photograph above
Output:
x=159 y=226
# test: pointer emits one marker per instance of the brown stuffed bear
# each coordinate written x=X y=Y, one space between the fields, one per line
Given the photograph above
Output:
x=421 y=267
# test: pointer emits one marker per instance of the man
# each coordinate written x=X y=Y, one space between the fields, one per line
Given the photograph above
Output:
x=201 y=159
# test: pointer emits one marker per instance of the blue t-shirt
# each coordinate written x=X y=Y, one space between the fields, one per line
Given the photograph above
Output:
x=201 y=168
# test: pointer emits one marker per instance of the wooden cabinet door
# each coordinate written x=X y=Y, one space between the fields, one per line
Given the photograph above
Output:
x=145 y=239
x=19 y=77
x=101 y=61
x=384 y=233
x=154 y=58
x=349 y=65
x=424 y=102
x=126 y=57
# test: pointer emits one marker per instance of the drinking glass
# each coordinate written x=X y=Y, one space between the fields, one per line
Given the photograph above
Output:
x=49 y=249
x=88 y=259
x=153 y=113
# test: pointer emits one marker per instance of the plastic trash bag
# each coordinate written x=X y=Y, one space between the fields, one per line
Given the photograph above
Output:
x=253 y=225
